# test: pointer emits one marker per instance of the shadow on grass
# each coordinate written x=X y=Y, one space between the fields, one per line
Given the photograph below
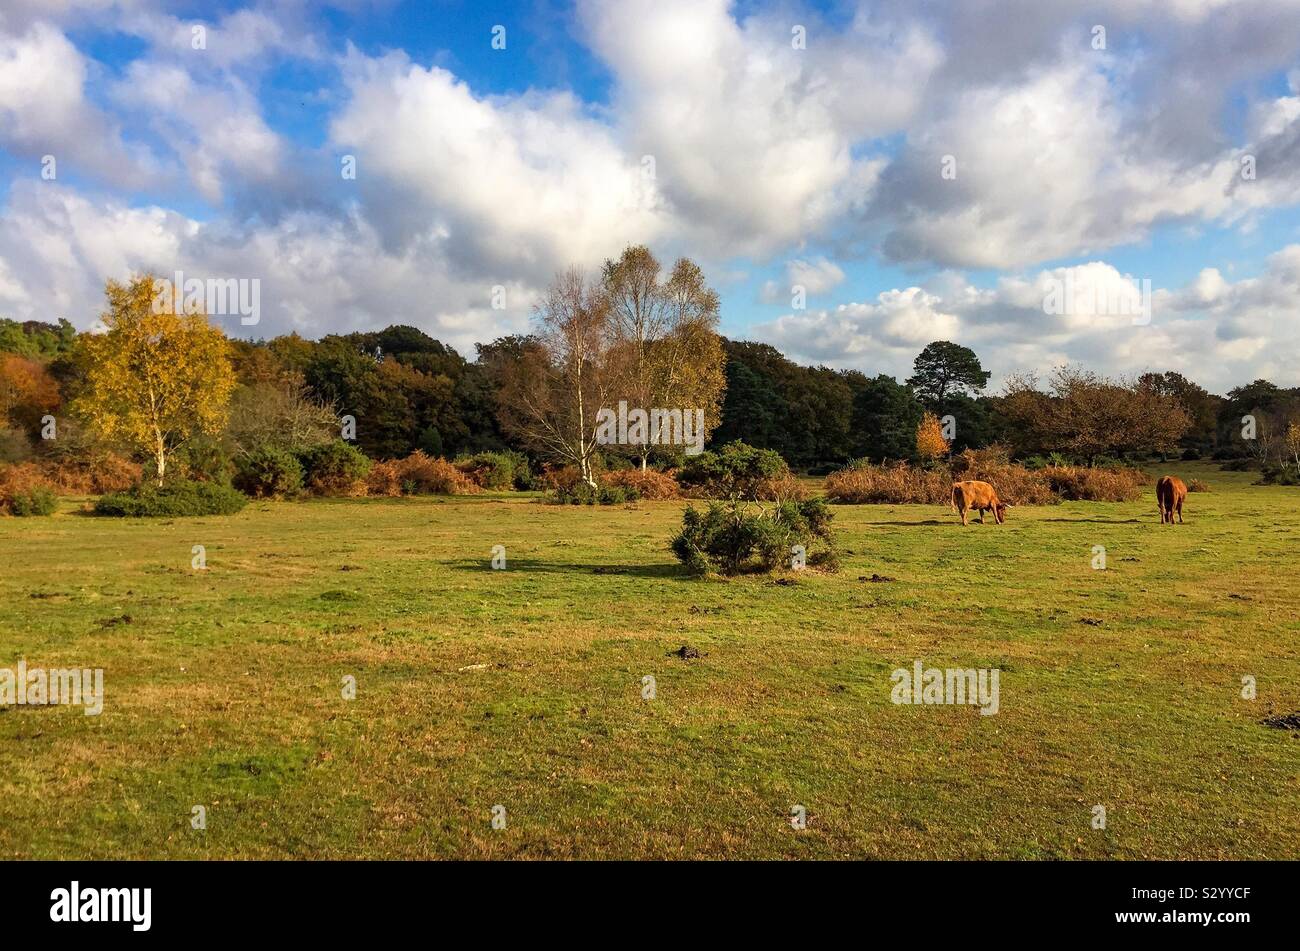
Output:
x=1099 y=521
x=928 y=521
x=576 y=568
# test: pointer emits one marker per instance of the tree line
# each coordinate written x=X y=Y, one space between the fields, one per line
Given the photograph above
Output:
x=172 y=389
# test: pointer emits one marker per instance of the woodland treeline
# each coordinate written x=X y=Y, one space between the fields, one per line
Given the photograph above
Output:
x=634 y=331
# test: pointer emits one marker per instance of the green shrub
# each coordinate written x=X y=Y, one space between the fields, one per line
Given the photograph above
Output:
x=171 y=500
x=736 y=471
x=37 y=500
x=498 y=471
x=1273 y=475
x=582 y=494
x=732 y=538
x=268 y=472
x=335 y=468
x=201 y=459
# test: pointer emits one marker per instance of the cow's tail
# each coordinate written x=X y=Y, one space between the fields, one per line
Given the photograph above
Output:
x=952 y=498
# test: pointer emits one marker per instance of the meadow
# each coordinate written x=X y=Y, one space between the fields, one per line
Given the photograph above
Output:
x=523 y=687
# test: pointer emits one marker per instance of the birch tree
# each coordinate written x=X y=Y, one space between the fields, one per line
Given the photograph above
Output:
x=156 y=378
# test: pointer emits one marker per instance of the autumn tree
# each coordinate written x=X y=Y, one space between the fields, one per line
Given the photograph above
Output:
x=1291 y=442
x=552 y=385
x=930 y=442
x=665 y=351
x=155 y=379
x=279 y=414
x=1088 y=415
x=27 y=392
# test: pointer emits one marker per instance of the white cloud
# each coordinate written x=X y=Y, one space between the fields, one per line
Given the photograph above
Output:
x=522 y=186
x=753 y=138
x=1218 y=333
x=44 y=111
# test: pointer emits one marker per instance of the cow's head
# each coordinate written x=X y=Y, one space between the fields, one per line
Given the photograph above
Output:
x=1000 y=513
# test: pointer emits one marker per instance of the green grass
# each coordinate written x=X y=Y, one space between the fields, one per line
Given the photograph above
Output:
x=223 y=687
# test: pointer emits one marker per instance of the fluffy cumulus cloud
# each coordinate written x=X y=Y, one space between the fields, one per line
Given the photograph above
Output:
x=752 y=136
x=1217 y=332
x=769 y=138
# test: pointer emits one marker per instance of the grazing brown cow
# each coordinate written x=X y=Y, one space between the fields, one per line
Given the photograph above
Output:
x=979 y=496
x=1170 y=493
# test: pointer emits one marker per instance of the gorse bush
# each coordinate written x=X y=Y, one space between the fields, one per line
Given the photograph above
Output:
x=268 y=472
x=418 y=474
x=580 y=493
x=735 y=471
x=733 y=538
x=1275 y=475
x=25 y=490
x=23 y=494
x=498 y=471
x=335 y=468
x=172 y=500
x=38 y=500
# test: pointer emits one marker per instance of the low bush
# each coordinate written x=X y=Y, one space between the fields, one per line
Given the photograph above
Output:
x=580 y=493
x=781 y=488
x=1274 y=475
x=37 y=500
x=172 y=500
x=650 y=484
x=901 y=484
x=1015 y=484
x=95 y=475
x=1080 y=484
x=863 y=483
x=201 y=459
x=1196 y=485
x=335 y=468
x=498 y=471
x=735 y=471
x=732 y=538
x=418 y=474
x=268 y=472
x=25 y=490
x=556 y=478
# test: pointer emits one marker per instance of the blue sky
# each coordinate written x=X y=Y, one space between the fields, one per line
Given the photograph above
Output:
x=790 y=145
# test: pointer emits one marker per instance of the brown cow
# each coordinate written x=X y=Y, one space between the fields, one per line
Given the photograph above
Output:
x=1170 y=493
x=979 y=496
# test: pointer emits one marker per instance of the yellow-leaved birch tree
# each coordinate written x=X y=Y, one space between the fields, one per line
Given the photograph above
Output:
x=156 y=378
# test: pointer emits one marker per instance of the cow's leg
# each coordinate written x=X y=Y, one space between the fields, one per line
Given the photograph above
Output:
x=1180 y=512
x=981 y=516
x=964 y=512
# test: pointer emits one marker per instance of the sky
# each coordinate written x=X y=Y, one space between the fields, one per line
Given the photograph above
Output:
x=1114 y=184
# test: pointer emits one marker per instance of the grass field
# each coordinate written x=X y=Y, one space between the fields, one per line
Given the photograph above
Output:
x=522 y=687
